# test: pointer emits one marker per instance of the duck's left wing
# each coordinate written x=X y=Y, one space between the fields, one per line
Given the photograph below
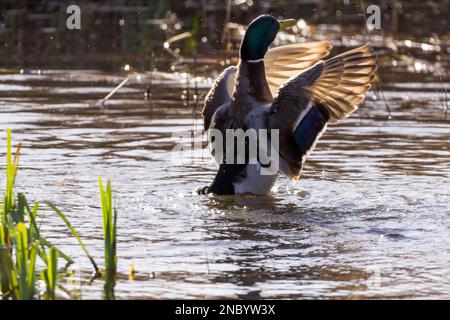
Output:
x=219 y=94
x=283 y=62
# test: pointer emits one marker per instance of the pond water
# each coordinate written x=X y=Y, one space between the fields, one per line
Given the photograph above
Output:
x=370 y=217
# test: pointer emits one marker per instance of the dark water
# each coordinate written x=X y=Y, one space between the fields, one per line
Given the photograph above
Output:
x=368 y=219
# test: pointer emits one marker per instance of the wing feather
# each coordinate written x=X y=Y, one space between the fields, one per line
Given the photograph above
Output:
x=286 y=61
x=324 y=93
x=219 y=94
x=343 y=82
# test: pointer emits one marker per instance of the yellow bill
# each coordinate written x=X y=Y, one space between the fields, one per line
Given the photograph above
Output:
x=284 y=24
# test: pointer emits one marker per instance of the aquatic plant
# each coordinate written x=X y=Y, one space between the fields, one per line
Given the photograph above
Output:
x=110 y=232
x=50 y=274
x=21 y=242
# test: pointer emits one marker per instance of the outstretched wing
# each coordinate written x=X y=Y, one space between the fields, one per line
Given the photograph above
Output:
x=325 y=93
x=343 y=81
x=219 y=94
x=283 y=62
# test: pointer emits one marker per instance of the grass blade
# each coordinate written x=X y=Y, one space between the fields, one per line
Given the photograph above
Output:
x=110 y=233
x=74 y=232
x=52 y=269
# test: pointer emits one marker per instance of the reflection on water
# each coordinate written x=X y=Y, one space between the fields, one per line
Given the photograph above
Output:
x=369 y=218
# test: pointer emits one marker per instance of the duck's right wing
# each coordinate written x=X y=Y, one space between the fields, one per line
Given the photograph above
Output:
x=342 y=81
x=283 y=62
x=219 y=94
x=325 y=93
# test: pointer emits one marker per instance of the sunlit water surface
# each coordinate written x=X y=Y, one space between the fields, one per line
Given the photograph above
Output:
x=370 y=217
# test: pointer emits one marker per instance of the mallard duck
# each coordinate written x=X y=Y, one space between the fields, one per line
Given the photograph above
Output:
x=288 y=89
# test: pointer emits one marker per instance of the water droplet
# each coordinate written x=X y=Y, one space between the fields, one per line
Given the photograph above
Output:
x=301 y=24
x=418 y=66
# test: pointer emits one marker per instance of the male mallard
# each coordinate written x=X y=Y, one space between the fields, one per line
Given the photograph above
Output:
x=309 y=94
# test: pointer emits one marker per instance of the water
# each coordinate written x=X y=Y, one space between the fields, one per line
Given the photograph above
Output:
x=368 y=219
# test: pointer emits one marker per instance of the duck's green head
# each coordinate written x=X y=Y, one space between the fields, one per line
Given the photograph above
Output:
x=260 y=34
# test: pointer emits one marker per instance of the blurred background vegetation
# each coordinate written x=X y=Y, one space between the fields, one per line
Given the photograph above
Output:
x=33 y=34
